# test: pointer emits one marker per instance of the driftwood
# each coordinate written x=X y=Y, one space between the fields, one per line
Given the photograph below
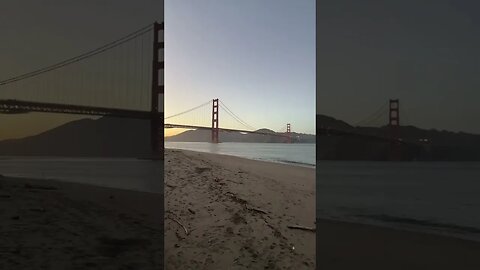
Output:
x=170 y=185
x=179 y=223
x=298 y=227
x=256 y=209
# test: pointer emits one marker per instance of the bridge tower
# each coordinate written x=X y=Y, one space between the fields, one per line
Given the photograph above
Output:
x=289 y=134
x=156 y=122
x=394 y=129
x=215 y=121
x=394 y=115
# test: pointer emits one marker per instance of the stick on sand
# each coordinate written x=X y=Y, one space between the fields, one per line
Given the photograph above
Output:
x=178 y=222
x=298 y=227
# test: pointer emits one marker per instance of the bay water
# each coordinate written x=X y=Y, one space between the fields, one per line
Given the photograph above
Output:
x=434 y=197
x=300 y=154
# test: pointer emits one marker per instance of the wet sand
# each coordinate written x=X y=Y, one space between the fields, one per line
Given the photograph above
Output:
x=224 y=212
x=343 y=245
x=58 y=225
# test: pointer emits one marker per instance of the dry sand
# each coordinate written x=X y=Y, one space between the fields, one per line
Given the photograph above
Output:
x=224 y=212
x=57 y=225
x=344 y=245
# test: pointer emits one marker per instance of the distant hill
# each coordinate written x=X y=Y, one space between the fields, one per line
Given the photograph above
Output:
x=202 y=135
x=86 y=137
x=114 y=137
x=439 y=146
x=327 y=121
x=117 y=137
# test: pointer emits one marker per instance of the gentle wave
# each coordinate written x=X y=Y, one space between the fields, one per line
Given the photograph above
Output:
x=424 y=223
x=292 y=154
x=430 y=197
x=296 y=163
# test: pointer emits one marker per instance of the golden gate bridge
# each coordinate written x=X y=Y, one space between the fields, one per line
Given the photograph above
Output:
x=207 y=116
x=125 y=78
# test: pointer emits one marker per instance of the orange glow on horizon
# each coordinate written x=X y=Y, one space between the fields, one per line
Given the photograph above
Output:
x=174 y=131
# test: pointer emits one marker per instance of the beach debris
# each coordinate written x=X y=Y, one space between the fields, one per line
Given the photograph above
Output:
x=299 y=227
x=178 y=222
x=256 y=209
x=42 y=187
x=191 y=211
x=170 y=185
x=202 y=169
x=234 y=198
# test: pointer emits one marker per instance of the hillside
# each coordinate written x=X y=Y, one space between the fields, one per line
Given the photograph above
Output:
x=86 y=137
x=440 y=145
x=202 y=135
x=116 y=137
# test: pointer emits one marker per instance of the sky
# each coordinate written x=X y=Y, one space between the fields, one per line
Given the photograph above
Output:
x=423 y=52
x=34 y=34
x=257 y=57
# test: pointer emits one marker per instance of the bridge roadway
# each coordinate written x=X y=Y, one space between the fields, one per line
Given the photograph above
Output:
x=11 y=106
x=330 y=131
x=225 y=129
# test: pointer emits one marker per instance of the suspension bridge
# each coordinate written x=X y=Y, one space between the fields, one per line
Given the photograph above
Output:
x=381 y=126
x=377 y=119
x=123 y=78
x=207 y=116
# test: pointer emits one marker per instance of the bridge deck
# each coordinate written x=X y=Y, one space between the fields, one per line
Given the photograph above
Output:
x=17 y=106
x=225 y=129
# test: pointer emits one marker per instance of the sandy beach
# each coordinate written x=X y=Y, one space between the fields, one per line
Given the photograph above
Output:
x=343 y=245
x=48 y=224
x=224 y=212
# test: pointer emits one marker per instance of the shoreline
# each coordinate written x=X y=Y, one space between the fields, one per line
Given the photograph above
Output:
x=125 y=174
x=57 y=182
x=290 y=163
x=411 y=228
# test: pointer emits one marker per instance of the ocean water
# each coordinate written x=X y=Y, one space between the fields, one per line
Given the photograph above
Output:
x=295 y=154
x=434 y=197
x=131 y=174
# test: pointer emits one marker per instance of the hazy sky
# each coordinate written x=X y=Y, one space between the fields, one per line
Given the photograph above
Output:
x=258 y=57
x=35 y=33
x=426 y=53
